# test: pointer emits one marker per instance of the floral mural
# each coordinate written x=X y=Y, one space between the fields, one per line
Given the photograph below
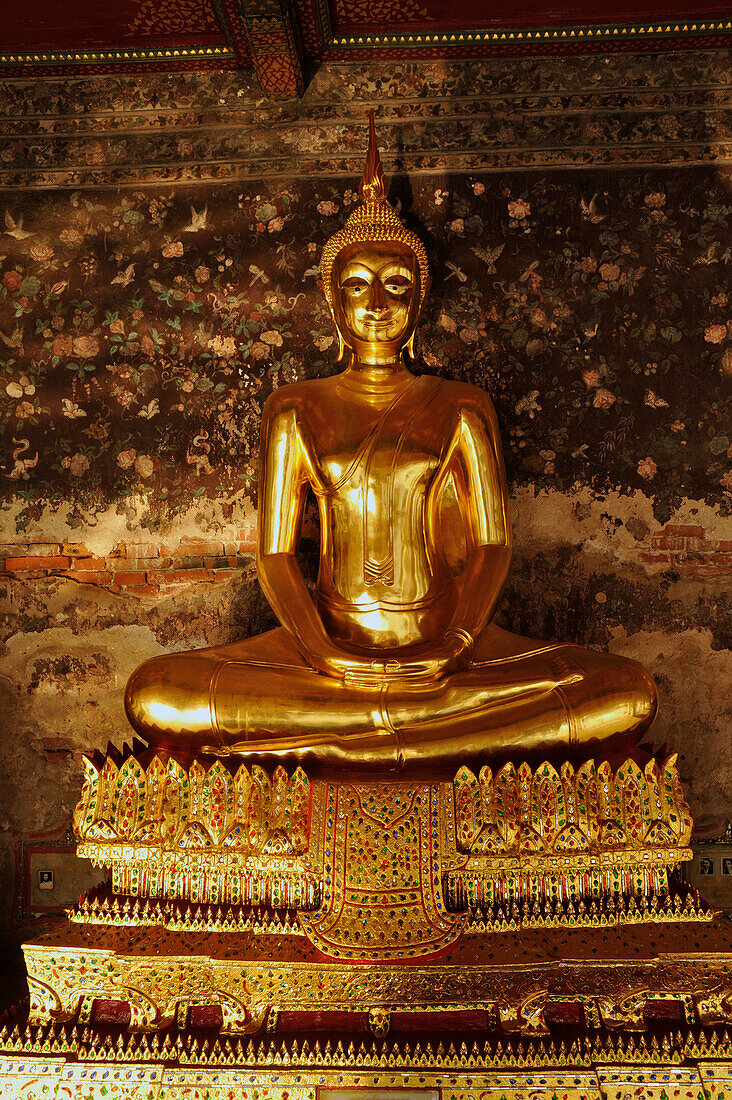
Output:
x=142 y=330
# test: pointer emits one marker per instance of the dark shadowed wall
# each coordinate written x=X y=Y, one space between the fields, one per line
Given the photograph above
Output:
x=158 y=278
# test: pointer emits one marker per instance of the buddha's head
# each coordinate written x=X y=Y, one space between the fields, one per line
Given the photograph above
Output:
x=374 y=273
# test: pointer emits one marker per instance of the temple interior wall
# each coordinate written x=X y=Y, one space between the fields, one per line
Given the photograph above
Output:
x=158 y=278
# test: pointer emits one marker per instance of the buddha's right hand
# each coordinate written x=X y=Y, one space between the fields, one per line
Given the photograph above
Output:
x=375 y=673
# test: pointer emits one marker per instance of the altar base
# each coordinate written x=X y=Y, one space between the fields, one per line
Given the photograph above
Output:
x=271 y=937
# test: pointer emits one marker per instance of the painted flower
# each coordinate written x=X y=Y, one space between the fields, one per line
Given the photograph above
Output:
x=678 y=426
x=12 y=280
x=447 y=322
x=715 y=334
x=609 y=273
x=327 y=207
x=71 y=409
x=86 y=347
x=117 y=327
x=24 y=410
x=258 y=350
x=588 y=264
x=185 y=147
x=173 y=250
x=22 y=388
x=276 y=224
x=203 y=274
x=529 y=404
x=591 y=378
x=539 y=318
x=322 y=343
x=63 y=344
x=272 y=337
x=726 y=481
x=519 y=209
x=654 y=401
x=655 y=200
x=603 y=399
x=71 y=237
x=478 y=188
x=457 y=225
x=223 y=346
x=469 y=335
x=79 y=464
x=144 y=465
x=647 y=468
x=41 y=252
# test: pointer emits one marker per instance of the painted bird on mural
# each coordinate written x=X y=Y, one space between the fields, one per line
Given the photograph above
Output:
x=489 y=257
x=15 y=339
x=198 y=220
x=15 y=229
x=124 y=278
x=590 y=211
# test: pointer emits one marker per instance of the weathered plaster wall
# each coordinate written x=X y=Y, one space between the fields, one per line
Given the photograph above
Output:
x=143 y=326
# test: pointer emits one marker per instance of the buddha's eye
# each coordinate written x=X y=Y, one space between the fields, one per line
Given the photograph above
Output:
x=354 y=284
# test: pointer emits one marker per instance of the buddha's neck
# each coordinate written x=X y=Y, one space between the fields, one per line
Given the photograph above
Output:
x=376 y=378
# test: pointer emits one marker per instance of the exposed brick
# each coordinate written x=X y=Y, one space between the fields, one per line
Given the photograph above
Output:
x=230 y=547
x=193 y=546
x=88 y=563
x=138 y=550
x=683 y=531
x=77 y=550
x=188 y=561
x=244 y=560
x=30 y=562
x=225 y=574
x=183 y=576
x=220 y=562
x=30 y=550
x=121 y=578
x=89 y=576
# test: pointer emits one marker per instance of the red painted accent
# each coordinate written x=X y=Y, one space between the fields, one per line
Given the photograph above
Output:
x=664 y=1011
x=430 y=1023
x=560 y=1013
x=333 y=1023
x=107 y=1011
x=206 y=1017
x=87 y=24
x=444 y=15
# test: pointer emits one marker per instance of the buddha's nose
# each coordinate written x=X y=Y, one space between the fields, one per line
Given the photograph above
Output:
x=377 y=303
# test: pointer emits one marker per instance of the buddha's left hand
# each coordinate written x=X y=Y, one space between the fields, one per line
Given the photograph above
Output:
x=431 y=666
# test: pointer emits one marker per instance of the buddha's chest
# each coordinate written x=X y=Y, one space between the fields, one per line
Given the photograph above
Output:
x=378 y=454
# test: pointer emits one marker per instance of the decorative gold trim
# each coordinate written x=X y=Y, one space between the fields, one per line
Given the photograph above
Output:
x=116 y=55
x=545 y=34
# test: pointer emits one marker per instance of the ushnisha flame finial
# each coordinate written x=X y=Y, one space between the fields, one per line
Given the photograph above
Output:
x=372 y=187
x=372 y=220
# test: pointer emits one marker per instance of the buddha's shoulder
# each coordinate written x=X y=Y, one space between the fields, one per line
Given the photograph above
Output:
x=296 y=395
x=462 y=396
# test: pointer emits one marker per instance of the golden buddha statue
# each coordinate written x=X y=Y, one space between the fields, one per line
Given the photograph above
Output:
x=396 y=660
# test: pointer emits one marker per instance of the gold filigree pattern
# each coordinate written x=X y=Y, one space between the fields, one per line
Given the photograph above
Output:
x=201 y=833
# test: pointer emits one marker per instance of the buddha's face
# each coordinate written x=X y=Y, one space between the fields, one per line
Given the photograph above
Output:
x=376 y=298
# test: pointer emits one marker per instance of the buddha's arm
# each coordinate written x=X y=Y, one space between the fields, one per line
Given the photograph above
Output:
x=285 y=472
x=476 y=464
x=284 y=468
